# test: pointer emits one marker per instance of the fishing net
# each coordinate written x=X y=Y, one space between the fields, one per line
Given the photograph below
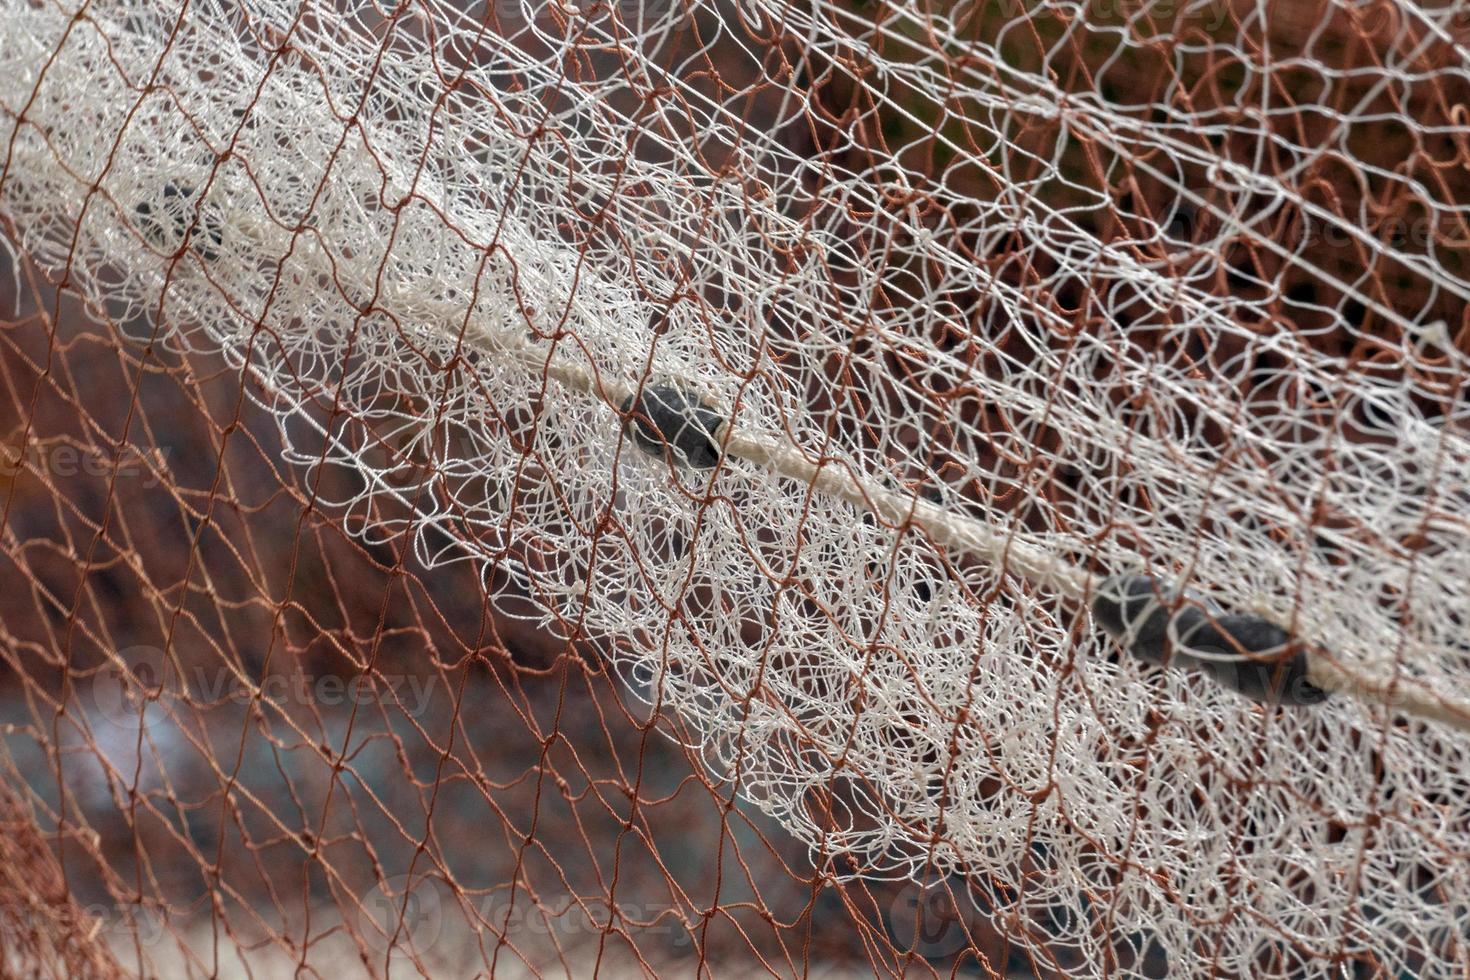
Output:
x=648 y=487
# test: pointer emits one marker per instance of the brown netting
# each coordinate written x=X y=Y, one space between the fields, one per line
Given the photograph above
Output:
x=500 y=780
x=44 y=932
x=502 y=804
x=350 y=625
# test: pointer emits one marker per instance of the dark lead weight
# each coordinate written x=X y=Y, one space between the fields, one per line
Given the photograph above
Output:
x=1245 y=653
x=164 y=222
x=663 y=418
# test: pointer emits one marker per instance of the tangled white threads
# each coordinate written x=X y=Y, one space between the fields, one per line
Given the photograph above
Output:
x=436 y=240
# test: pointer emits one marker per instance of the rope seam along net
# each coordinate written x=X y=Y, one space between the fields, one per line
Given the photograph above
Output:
x=1006 y=550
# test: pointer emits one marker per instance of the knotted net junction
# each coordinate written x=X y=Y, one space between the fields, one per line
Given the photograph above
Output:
x=1178 y=291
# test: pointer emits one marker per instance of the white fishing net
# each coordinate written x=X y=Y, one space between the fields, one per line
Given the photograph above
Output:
x=995 y=302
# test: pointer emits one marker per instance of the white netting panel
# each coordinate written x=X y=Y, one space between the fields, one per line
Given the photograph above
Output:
x=415 y=225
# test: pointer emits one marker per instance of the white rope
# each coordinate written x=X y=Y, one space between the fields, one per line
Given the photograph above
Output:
x=1003 y=549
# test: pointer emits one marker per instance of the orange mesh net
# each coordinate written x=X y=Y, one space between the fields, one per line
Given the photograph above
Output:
x=633 y=489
